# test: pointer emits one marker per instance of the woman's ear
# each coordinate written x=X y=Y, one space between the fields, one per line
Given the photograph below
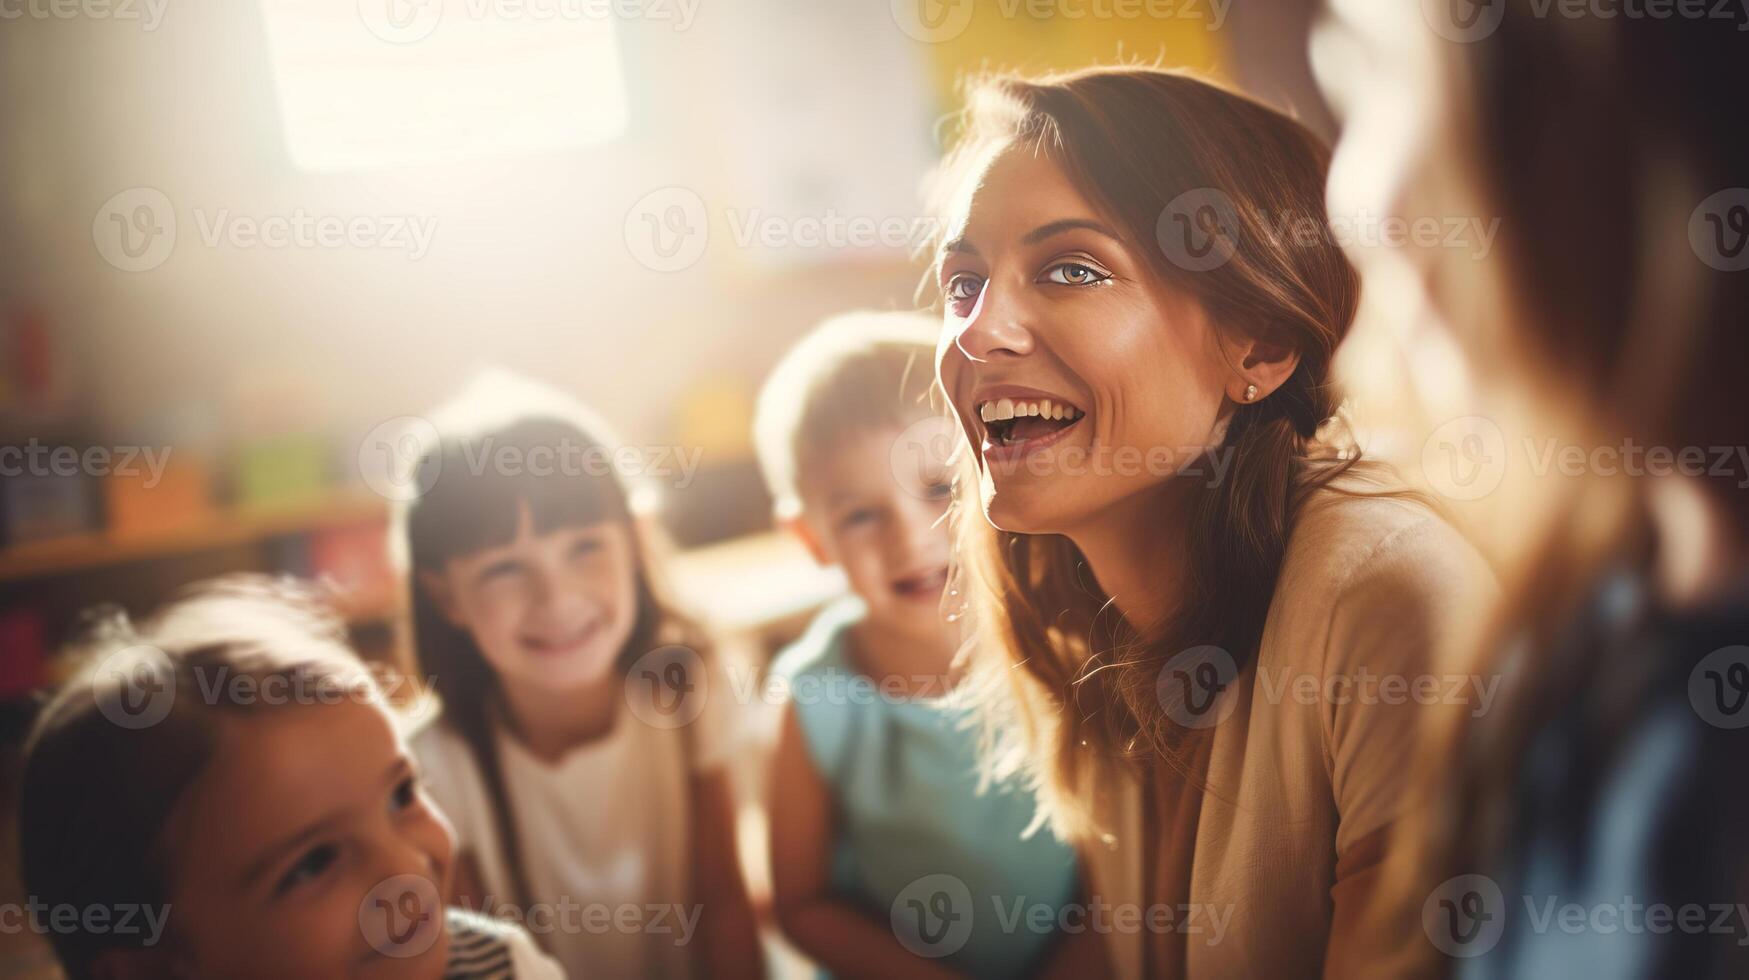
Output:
x=1262 y=366
x=442 y=596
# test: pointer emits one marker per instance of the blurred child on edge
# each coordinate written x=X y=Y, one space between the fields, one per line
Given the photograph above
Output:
x=226 y=793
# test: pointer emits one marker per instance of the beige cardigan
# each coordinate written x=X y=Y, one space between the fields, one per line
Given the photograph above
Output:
x=1370 y=588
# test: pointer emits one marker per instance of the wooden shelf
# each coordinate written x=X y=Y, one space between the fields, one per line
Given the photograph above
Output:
x=224 y=528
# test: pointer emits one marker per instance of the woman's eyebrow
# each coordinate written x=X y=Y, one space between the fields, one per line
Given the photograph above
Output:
x=959 y=245
x=1043 y=232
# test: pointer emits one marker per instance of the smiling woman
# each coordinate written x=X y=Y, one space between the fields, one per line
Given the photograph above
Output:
x=1118 y=313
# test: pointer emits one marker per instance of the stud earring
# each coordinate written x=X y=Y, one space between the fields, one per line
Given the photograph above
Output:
x=1250 y=392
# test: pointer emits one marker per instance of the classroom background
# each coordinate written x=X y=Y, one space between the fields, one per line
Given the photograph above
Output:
x=246 y=244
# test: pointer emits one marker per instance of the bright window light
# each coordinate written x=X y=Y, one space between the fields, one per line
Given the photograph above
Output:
x=375 y=83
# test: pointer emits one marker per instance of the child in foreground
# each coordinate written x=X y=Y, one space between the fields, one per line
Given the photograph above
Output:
x=887 y=858
x=226 y=793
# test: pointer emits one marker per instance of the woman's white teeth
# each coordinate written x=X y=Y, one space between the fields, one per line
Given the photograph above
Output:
x=1003 y=409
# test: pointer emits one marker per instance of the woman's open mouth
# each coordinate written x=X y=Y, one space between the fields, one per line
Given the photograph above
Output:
x=1015 y=427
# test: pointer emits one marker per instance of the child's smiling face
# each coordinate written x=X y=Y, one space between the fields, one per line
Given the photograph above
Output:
x=887 y=535
x=549 y=611
x=302 y=819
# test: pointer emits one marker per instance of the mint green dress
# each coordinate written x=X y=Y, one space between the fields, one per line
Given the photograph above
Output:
x=919 y=847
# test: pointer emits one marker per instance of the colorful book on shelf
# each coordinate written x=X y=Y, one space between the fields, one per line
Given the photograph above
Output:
x=288 y=469
x=140 y=505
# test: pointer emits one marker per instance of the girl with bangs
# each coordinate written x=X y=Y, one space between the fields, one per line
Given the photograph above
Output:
x=585 y=729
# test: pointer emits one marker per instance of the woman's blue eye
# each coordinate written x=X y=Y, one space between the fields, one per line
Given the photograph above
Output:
x=309 y=867
x=939 y=491
x=1075 y=274
x=962 y=290
x=585 y=546
x=964 y=286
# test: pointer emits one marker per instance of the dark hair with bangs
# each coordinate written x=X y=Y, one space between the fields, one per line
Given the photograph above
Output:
x=470 y=507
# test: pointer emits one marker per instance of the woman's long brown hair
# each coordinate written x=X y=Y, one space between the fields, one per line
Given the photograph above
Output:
x=1133 y=140
x=470 y=507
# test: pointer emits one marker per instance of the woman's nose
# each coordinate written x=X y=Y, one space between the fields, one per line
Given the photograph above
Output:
x=996 y=326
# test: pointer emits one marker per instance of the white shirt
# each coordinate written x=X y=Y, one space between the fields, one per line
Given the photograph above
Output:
x=605 y=832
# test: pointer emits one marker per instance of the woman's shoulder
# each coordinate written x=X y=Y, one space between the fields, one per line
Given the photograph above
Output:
x=1373 y=570
x=1351 y=533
